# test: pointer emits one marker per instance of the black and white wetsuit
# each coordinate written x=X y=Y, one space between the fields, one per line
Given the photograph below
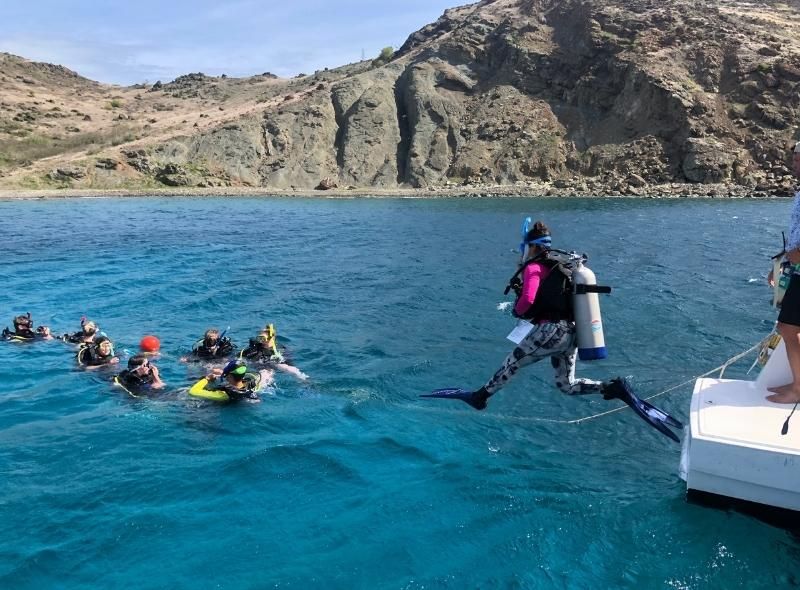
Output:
x=553 y=334
x=555 y=340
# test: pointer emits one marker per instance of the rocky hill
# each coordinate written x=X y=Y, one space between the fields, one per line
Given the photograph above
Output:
x=572 y=96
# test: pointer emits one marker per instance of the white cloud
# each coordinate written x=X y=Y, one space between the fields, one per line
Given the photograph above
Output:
x=239 y=38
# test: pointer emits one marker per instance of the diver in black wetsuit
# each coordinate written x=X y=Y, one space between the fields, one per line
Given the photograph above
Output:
x=264 y=350
x=212 y=346
x=24 y=331
x=86 y=335
x=99 y=353
x=259 y=350
x=141 y=376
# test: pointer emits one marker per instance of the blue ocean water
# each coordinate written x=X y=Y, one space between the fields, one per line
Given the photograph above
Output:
x=350 y=480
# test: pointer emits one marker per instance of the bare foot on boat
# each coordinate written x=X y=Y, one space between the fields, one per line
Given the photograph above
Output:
x=785 y=397
x=781 y=388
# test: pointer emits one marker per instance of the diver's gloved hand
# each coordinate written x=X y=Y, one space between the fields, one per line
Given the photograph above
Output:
x=515 y=285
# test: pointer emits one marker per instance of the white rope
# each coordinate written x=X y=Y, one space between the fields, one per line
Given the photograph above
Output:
x=720 y=369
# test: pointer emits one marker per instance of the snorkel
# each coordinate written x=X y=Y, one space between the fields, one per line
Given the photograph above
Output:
x=523 y=246
x=272 y=335
x=217 y=339
x=269 y=338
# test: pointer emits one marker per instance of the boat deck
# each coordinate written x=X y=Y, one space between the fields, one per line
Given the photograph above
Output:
x=737 y=412
x=735 y=447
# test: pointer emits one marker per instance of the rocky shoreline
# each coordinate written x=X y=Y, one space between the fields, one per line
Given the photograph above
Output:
x=665 y=191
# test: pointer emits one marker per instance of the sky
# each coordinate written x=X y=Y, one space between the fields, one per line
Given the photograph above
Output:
x=128 y=42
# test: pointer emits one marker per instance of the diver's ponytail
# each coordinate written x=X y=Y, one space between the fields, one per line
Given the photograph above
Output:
x=539 y=230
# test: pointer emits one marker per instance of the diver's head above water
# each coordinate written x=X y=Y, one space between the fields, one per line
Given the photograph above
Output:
x=104 y=347
x=89 y=328
x=538 y=239
x=234 y=373
x=139 y=364
x=23 y=322
x=211 y=338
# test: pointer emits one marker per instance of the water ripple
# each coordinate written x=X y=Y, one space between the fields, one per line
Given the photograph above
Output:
x=350 y=480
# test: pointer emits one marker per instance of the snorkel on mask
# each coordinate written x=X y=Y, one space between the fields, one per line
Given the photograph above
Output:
x=234 y=368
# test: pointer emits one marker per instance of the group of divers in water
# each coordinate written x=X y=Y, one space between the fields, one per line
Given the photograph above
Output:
x=558 y=316
x=229 y=381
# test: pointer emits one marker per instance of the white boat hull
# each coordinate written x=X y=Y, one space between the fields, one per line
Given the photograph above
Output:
x=734 y=446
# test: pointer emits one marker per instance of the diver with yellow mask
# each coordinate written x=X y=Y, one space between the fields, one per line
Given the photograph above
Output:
x=264 y=350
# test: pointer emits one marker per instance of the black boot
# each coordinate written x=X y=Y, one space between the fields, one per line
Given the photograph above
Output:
x=616 y=388
x=478 y=399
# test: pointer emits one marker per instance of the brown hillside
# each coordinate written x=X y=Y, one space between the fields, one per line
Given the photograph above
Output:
x=604 y=97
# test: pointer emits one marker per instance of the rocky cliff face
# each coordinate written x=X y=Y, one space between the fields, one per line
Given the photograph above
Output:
x=595 y=96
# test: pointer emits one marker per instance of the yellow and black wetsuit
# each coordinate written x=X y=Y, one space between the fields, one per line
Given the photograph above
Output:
x=222 y=392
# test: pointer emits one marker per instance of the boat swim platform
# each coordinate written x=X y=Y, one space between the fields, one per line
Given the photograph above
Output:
x=735 y=448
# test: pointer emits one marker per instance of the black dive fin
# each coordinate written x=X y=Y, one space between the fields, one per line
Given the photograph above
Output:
x=658 y=419
x=660 y=414
x=473 y=398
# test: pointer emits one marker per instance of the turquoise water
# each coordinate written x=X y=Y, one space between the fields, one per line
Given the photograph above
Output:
x=351 y=481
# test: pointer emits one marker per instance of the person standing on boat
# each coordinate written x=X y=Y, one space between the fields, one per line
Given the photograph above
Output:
x=789 y=317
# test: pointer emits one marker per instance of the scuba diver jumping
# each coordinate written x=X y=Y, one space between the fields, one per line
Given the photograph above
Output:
x=99 y=353
x=140 y=378
x=554 y=290
x=24 y=331
x=213 y=346
x=237 y=384
x=264 y=350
